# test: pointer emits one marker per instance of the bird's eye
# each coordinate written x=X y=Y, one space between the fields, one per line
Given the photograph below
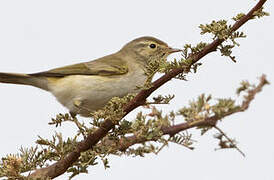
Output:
x=152 y=46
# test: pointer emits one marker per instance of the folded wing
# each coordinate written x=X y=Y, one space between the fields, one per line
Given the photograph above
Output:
x=106 y=66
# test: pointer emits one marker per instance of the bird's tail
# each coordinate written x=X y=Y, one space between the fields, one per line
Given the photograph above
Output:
x=24 y=79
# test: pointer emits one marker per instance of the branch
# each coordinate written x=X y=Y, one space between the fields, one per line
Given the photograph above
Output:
x=209 y=121
x=93 y=138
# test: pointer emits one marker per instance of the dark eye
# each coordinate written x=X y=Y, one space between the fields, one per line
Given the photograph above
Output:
x=152 y=46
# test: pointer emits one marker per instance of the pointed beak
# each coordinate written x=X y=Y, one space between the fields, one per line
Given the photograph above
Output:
x=173 y=50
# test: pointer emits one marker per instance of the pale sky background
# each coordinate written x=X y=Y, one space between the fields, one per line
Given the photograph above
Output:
x=39 y=35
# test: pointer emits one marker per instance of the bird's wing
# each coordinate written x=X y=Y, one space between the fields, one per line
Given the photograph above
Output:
x=106 y=66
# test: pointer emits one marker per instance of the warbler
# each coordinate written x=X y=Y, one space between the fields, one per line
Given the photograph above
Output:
x=86 y=87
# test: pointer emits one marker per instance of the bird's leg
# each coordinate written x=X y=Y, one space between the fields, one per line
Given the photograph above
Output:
x=77 y=103
x=72 y=114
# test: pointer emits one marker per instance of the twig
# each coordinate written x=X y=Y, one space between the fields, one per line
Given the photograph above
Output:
x=230 y=140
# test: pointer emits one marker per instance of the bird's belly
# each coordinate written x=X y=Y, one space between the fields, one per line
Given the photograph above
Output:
x=82 y=94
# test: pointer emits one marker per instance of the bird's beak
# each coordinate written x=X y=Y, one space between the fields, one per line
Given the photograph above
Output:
x=173 y=50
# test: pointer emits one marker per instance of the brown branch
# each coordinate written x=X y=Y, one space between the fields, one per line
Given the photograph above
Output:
x=210 y=121
x=93 y=138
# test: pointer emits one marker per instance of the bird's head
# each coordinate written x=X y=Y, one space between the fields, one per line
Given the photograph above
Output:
x=145 y=48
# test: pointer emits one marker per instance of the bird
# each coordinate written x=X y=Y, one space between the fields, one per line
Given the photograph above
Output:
x=86 y=87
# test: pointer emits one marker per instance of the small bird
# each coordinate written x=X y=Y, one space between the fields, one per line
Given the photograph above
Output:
x=87 y=87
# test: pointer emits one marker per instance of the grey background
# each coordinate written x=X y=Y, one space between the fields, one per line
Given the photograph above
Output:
x=40 y=35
